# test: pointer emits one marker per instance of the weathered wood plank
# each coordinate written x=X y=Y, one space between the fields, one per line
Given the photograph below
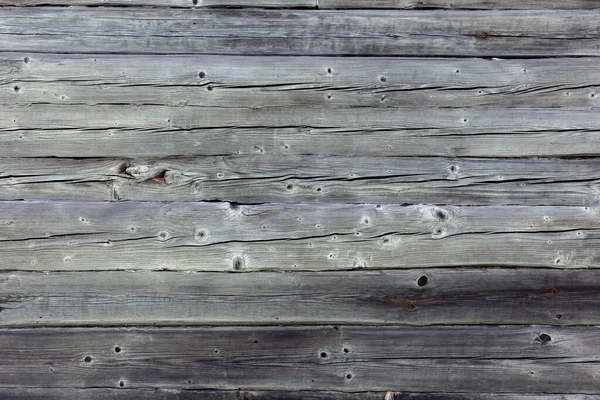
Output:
x=402 y=4
x=328 y=4
x=187 y=394
x=297 y=81
x=211 y=223
x=294 y=32
x=292 y=359
x=141 y=131
x=306 y=179
x=407 y=297
x=228 y=237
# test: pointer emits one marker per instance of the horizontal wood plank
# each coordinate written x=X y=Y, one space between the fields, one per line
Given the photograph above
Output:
x=322 y=358
x=328 y=4
x=230 y=237
x=306 y=179
x=408 y=297
x=299 y=32
x=190 y=394
x=141 y=131
x=330 y=82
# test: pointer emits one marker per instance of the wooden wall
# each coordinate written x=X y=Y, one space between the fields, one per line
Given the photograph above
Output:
x=300 y=199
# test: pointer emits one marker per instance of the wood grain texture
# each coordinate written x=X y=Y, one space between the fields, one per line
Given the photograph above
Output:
x=190 y=394
x=328 y=4
x=330 y=82
x=305 y=359
x=229 y=237
x=412 y=297
x=43 y=130
x=290 y=179
x=299 y=32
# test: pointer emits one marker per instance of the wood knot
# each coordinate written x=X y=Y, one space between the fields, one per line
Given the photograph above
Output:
x=160 y=177
x=544 y=338
x=122 y=170
x=481 y=35
x=554 y=291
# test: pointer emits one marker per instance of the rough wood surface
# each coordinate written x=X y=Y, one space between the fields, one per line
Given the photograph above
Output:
x=141 y=131
x=299 y=199
x=412 y=297
x=190 y=394
x=300 y=32
x=325 y=358
x=294 y=81
x=329 y=4
x=306 y=179
x=227 y=237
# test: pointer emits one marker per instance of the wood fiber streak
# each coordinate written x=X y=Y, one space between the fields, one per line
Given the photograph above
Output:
x=298 y=32
x=44 y=130
x=229 y=237
x=297 y=81
x=412 y=297
x=302 y=359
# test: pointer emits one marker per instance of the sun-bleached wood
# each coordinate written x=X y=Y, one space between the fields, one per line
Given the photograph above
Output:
x=43 y=130
x=330 y=82
x=306 y=179
x=45 y=236
x=328 y=4
x=128 y=30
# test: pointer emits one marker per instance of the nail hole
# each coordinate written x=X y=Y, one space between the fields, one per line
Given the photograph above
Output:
x=121 y=383
x=237 y=265
x=422 y=281
x=323 y=355
x=453 y=169
x=348 y=376
x=201 y=75
x=26 y=60
x=195 y=2
x=117 y=349
x=290 y=186
x=346 y=350
x=544 y=338
x=329 y=71
x=209 y=88
x=16 y=89
x=559 y=316
x=88 y=359
x=383 y=79
x=319 y=189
